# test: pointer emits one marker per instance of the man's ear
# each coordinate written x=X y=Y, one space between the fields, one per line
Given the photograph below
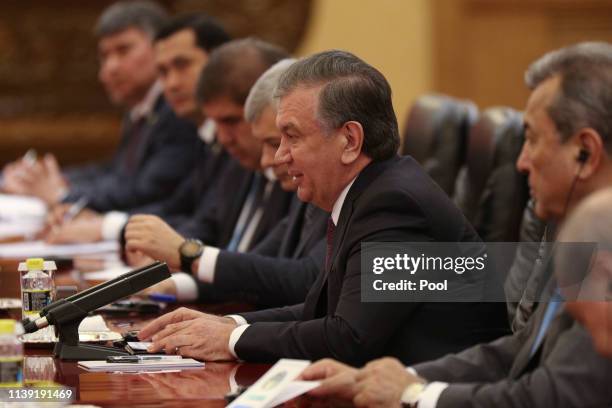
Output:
x=591 y=145
x=352 y=139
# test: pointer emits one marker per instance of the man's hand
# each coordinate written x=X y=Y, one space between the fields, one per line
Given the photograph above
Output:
x=205 y=337
x=85 y=227
x=150 y=235
x=137 y=259
x=382 y=382
x=337 y=379
x=42 y=179
x=179 y=315
x=165 y=287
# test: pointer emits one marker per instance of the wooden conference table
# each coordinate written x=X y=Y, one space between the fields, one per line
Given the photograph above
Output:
x=204 y=387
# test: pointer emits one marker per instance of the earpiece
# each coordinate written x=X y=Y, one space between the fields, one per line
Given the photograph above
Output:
x=583 y=156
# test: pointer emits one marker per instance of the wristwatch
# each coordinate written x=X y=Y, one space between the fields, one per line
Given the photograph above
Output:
x=190 y=250
x=412 y=394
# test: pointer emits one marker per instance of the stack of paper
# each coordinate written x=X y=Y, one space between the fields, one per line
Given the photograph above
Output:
x=23 y=250
x=176 y=363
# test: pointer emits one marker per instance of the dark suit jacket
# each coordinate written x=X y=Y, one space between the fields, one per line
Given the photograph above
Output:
x=565 y=371
x=391 y=201
x=277 y=272
x=217 y=220
x=163 y=158
x=193 y=196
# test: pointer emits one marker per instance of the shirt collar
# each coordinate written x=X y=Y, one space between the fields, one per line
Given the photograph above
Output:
x=145 y=107
x=207 y=131
x=335 y=214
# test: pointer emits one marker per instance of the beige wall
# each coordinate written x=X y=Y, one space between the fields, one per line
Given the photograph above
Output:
x=392 y=35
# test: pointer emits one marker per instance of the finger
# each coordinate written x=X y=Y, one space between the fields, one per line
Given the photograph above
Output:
x=171 y=329
x=340 y=385
x=317 y=371
x=156 y=325
x=173 y=344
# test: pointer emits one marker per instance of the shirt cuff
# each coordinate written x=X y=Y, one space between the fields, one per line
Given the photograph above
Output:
x=208 y=263
x=112 y=224
x=235 y=336
x=186 y=287
x=240 y=321
x=431 y=393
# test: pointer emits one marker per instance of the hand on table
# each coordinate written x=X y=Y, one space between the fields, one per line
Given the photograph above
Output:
x=382 y=382
x=150 y=235
x=85 y=227
x=337 y=379
x=42 y=179
x=191 y=334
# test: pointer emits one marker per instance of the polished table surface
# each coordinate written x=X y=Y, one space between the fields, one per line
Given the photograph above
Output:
x=188 y=388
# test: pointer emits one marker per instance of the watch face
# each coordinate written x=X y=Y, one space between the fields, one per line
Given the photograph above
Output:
x=191 y=248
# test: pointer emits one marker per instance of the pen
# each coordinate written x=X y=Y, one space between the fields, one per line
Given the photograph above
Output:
x=162 y=297
x=30 y=157
x=139 y=358
x=75 y=209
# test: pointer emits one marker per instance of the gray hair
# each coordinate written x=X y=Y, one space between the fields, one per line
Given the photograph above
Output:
x=262 y=93
x=351 y=90
x=144 y=15
x=585 y=97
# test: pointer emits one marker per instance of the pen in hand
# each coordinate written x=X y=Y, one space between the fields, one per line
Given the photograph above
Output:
x=75 y=209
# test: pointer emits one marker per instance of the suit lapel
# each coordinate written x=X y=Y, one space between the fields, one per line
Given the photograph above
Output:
x=316 y=303
x=294 y=226
x=147 y=132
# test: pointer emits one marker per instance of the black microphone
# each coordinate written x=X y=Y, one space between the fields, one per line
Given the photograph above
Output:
x=45 y=310
x=79 y=305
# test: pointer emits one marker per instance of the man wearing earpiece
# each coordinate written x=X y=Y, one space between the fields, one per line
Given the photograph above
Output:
x=552 y=361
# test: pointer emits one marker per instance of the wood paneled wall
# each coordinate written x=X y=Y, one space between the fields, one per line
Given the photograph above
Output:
x=482 y=47
x=50 y=98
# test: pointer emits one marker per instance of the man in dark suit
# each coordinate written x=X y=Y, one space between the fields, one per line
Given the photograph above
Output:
x=156 y=149
x=551 y=361
x=182 y=47
x=339 y=139
x=280 y=269
x=246 y=205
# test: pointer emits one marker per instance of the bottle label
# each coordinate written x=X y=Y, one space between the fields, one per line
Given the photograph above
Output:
x=11 y=371
x=35 y=300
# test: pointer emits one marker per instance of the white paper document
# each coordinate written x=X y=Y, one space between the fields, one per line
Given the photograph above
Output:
x=23 y=250
x=14 y=207
x=276 y=386
x=176 y=363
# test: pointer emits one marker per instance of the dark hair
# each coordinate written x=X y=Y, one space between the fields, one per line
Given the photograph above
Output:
x=585 y=93
x=233 y=68
x=209 y=34
x=352 y=90
x=144 y=15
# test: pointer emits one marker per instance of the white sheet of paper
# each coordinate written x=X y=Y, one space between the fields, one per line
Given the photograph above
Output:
x=23 y=250
x=145 y=366
x=14 y=207
x=292 y=390
x=271 y=384
x=21 y=228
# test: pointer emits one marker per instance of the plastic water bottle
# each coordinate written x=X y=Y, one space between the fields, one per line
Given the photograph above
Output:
x=37 y=291
x=11 y=354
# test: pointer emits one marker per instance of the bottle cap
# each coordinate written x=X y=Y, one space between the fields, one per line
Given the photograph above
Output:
x=7 y=326
x=35 y=264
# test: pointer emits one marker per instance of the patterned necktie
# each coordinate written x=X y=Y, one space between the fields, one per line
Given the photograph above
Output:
x=331 y=229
